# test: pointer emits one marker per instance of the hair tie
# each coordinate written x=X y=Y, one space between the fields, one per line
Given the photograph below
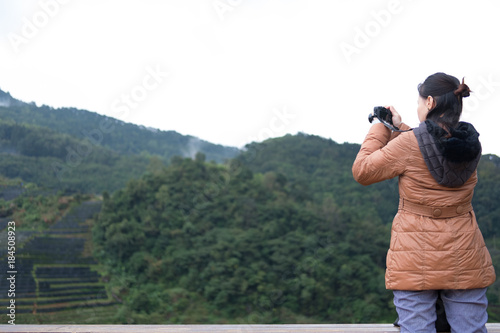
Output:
x=462 y=90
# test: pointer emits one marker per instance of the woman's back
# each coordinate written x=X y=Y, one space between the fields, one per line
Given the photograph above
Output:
x=436 y=246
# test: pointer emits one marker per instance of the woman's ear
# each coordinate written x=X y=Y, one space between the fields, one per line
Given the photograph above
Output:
x=430 y=103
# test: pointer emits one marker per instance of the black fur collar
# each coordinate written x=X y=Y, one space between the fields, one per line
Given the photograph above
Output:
x=462 y=146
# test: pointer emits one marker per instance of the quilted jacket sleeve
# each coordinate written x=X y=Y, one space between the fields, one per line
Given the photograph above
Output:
x=382 y=156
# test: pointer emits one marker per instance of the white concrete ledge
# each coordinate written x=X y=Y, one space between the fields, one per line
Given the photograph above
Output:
x=354 y=328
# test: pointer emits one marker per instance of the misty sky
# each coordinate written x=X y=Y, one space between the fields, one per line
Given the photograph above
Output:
x=235 y=71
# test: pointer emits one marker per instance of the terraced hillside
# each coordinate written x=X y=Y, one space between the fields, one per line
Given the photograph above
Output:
x=55 y=271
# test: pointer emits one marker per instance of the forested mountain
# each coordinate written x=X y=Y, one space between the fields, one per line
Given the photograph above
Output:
x=319 y=169
x=59 y=161
x=277 y=233
x=83 y=151
x=282 y=233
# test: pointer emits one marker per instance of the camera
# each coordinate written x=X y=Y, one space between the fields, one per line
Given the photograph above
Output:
x=383 y=114
x=385 y=117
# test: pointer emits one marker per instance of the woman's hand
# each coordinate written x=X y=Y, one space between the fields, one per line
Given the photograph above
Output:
x=396 y=118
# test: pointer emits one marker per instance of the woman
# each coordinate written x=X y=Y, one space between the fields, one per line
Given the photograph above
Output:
x=436 y=245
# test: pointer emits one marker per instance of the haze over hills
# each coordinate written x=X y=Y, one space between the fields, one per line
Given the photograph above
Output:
x=61 y=148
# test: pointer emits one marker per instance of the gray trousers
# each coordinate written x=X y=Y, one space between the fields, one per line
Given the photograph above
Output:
x=465 y=310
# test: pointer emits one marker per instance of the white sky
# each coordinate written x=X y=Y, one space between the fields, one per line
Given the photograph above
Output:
x=235 y=71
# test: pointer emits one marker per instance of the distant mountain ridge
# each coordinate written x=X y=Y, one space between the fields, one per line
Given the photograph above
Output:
x=6 y=100
x=79 y=150
x=120 y=136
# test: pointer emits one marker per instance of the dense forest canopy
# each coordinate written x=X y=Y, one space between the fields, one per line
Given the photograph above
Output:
x=282 y=233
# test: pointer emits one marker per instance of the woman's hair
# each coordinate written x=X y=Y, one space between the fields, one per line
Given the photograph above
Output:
x=447 y=92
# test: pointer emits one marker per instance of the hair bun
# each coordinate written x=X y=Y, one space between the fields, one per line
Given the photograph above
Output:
x=462 y=90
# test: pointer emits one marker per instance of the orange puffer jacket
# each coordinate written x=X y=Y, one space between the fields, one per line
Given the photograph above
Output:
x=435 y=239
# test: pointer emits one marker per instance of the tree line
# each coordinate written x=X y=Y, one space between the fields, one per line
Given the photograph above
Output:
x=280 y=234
